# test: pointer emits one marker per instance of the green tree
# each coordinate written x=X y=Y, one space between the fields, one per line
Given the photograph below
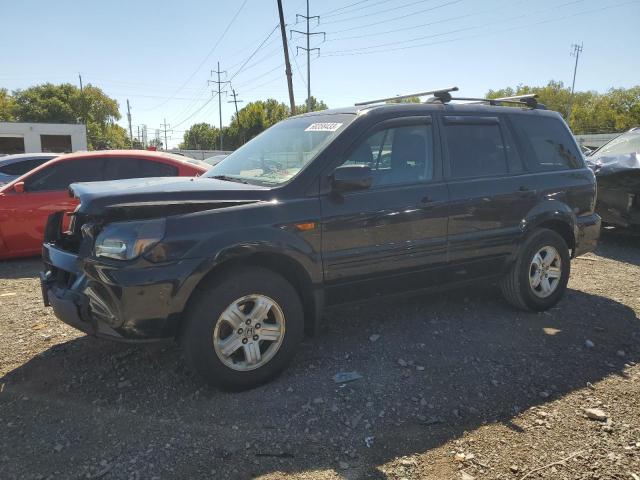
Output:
x=316 y=105
x=592 y=112
x=201 y=136
x=66 y=104
x=7 y=105
x=405 y=100
x=47 y=103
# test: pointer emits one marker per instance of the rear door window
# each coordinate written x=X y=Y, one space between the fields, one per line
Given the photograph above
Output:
x=122 y=168
x=476 y=146
x=60 y=175
x=547 y=143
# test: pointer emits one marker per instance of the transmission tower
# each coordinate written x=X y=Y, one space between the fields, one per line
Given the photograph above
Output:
x=308 y=49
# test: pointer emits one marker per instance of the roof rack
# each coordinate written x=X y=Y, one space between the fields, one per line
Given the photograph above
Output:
x=530 y=100
x=440 y=93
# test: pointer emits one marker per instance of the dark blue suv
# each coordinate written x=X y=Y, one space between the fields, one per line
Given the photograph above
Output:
x=322 y=209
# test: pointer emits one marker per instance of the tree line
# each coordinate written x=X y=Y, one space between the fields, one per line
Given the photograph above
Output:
x=250 y=121
x=616 y=110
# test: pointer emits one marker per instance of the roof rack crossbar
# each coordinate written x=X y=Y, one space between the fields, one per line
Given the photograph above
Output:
x=441 y=91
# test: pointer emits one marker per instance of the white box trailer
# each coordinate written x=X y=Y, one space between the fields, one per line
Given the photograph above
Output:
x=22 y=137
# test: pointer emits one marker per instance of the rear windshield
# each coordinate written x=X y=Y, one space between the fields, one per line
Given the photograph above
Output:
x=278 y=154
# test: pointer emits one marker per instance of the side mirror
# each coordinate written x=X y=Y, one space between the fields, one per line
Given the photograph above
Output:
x=18 y=187
x=348 y=178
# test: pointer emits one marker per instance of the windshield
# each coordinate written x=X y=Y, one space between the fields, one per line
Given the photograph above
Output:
x=625 y=143
x=278 y=154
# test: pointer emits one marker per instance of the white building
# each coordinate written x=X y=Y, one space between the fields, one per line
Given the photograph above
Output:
x=18 y=137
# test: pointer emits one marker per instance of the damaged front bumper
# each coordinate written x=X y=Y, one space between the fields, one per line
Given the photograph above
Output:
x=129 y=301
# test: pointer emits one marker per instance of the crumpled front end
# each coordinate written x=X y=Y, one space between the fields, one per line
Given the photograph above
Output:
x=618 y=189
x=136 y=300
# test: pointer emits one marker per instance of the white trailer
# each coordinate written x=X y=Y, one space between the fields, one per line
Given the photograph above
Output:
x=21 y=137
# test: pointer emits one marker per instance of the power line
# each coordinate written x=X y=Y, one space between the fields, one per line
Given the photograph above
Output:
x=413 y=27
x=254 y=52
x=330 y=13
x=358 y=17
x=224 y=32
x=527 y=25
x=197 y=111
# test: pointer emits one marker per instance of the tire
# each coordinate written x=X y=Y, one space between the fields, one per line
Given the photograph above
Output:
x=516 y=286
x=214 y=328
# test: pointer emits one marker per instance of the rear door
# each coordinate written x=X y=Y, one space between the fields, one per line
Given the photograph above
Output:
x=398 y=226
x=24 y=215
x=489 y=195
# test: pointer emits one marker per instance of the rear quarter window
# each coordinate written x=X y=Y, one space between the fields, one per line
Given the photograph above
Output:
x=547 y=143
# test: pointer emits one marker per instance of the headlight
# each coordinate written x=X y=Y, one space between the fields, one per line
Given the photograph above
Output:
x=128 y=240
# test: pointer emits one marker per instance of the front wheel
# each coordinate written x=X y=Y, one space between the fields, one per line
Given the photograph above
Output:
x=243 y=328
x=538 y=278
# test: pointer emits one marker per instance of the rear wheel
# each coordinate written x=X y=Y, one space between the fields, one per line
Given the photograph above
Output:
x=538 y=278
x=243 y=328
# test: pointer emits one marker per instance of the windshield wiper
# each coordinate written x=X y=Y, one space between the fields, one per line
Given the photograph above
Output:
x=227 y=178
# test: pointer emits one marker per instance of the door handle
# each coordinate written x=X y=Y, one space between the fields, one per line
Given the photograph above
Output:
x=427 y=199
x=523 y=188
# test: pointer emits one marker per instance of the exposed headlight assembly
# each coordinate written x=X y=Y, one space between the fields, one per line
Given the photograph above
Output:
x=129 y=240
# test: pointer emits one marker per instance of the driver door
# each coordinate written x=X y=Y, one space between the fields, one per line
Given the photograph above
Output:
x=397 y=227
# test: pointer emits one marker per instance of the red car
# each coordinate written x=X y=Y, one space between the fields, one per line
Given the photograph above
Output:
x=26 y=202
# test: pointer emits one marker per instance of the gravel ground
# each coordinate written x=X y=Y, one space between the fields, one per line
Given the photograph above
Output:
x=454 y=386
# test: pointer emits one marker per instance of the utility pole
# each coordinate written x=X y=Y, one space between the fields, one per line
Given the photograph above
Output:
x=84 y=115
x=308 y=49
x=287 y=64
x=164 y=126
x=577 y=50
x=218 y=72
x=235 y=101
x=129 y=119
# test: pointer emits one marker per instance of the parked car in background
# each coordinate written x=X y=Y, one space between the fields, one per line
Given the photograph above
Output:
x=617 y=168
x=216 y=159
x=26 y=202
x=14 y=166
x=321 y=209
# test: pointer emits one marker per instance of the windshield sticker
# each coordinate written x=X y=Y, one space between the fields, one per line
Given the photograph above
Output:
x=323 y=127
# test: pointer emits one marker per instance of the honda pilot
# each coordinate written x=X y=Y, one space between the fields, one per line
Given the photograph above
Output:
x=319 y=210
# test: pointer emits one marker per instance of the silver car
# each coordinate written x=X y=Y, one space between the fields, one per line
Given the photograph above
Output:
x=14 y=166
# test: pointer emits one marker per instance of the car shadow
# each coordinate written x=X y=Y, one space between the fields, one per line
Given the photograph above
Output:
x=432 y=368
x=620 y=244
x=21 y=268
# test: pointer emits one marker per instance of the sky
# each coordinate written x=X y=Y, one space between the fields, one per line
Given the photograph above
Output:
x=159 y=54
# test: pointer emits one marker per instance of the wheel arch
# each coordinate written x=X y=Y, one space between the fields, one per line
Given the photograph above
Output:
x=557 y=217
x=281 y=263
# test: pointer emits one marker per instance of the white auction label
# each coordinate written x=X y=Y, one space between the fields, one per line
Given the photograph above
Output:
x=323 y=127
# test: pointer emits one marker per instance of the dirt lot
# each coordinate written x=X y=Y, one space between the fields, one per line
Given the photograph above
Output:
x=455 y=386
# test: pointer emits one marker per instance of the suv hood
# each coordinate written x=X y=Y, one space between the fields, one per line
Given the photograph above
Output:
x=147 y=197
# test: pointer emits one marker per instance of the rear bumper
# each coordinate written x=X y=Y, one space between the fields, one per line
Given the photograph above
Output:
x=588 y=234
x=136 y=302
